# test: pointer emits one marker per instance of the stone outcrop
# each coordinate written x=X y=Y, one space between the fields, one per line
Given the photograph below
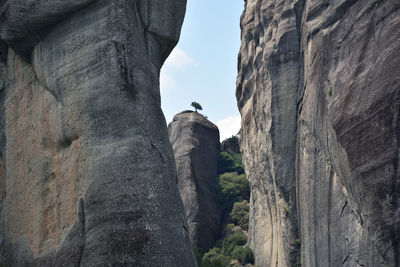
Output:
x=87 y=175
x=319 y=94
x=266 y=92
x=231 y=145
x=195 y=141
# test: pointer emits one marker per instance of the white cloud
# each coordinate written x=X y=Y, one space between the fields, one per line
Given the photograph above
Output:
x=166 y=82
x=178 y=58
x=228 y=127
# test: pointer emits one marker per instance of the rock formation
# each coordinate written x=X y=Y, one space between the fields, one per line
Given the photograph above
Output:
x=231 y=145
x=87 y=174
x=319 y=94
x=195 y=141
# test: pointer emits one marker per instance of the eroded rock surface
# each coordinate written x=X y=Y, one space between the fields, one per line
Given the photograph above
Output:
x=195 y=141
x=267 y=89
x=88 y=169
x=320 y=79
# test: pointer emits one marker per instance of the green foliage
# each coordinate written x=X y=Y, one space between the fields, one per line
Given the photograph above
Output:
x=243 y=254
x=214 y=258
x=233 y=193
x=196 y=106
x=229 y=162
x=237 y=253
x=329 y=87
x=240 y=214
x=232 y=188
x=232 y=248
x=247 y=256
x=198 y=252
x=231 y=242
x=233 y=139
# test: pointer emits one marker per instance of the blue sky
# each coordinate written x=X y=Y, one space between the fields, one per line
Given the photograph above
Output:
x=203 y=66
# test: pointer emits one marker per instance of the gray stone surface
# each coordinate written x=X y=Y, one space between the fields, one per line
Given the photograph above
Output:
x=3 y=85
x=266 y=91
x=89 y=171
x=195 y=141
x=345 y=84
x=348 y=133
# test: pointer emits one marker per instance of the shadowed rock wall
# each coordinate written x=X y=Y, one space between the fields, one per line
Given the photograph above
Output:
x=87 y=166
x=320 y=79
x=195 y=141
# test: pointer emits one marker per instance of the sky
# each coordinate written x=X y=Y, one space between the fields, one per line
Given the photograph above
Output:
x=203 y=66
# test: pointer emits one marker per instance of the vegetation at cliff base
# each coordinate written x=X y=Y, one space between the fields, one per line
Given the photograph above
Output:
x=232 y=187
x=232 y=248
x=233 y=192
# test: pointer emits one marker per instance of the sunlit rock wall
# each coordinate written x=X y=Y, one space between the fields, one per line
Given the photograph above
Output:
x=87 y=175
x=320 y=79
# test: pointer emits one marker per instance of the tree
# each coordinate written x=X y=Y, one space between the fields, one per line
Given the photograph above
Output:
x=214 y=258
x=232 y=188
x=240 y=214
x=196 y=106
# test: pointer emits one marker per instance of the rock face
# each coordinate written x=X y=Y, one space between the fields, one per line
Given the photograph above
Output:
x=267 y=89
x=87 y=175
x=195 y=141
x=319 y=93
x=231 y=145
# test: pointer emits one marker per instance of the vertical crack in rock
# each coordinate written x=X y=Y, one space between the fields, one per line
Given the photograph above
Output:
x=128 y=86
x=395 y=235
x=82 y=226
x=3 y=89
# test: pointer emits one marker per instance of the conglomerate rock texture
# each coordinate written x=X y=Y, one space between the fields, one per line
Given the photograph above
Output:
x=87 y=175
x=195 y=141
x=319 y=94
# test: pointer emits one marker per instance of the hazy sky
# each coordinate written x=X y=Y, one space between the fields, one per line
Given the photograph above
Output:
x=203 y=67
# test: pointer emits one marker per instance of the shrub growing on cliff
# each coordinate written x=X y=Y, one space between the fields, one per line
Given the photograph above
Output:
x=232 y=188
x=240 y=214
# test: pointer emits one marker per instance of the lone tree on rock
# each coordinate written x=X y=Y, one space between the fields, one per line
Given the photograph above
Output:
x=196 y=106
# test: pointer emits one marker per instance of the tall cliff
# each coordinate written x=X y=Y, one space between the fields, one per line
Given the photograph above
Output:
x=87 y=175
x=195 y=141
x=319 y=93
